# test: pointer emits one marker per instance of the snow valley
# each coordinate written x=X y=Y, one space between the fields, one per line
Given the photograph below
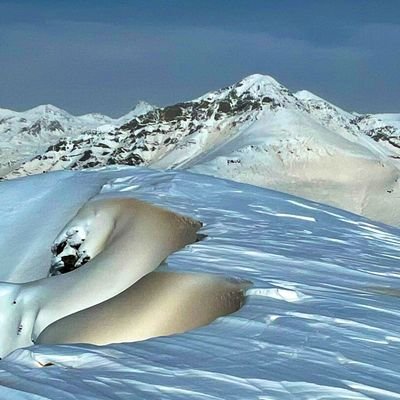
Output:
x=255 y=131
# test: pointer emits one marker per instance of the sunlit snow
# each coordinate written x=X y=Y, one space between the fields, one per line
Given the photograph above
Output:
x=319 y=322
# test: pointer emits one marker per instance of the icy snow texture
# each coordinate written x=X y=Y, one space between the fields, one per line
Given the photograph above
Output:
x=313 y=326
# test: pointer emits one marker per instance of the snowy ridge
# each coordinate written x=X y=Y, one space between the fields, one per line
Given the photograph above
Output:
x=185 y=129
x=384 y=129
x=258 y=132
x=23 y=135
x=177 y=135
x=328 y=114
x=317 y=322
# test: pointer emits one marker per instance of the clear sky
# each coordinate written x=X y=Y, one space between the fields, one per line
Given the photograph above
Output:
x=104 y=56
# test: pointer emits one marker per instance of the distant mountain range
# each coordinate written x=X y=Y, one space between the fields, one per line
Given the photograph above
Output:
x=24 y=135
x=255 y=131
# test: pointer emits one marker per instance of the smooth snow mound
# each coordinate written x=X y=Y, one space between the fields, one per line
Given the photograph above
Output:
x=311 y=327
x=160 y=304
x=124 y=240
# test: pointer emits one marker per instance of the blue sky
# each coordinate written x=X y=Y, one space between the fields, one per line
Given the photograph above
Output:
x=104 y=56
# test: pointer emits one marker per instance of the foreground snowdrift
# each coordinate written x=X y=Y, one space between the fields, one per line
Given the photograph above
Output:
x=122 y=239
x=314 y=325
x=160 y=304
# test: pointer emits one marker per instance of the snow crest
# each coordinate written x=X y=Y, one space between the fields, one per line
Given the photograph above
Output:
x=314 y=325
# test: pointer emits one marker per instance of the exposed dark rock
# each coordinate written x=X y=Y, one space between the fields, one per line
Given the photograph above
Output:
x=91 y=164
x=267 y=99
x=55 y=126
x=103 y=145
x=203 y=104
x=60 y=247
x=61 y=145
x=172 y=112
x=224 y=107
x=86 y=155
x=69 y=263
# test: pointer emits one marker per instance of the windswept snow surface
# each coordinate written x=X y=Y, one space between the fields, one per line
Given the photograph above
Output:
x=313 y=326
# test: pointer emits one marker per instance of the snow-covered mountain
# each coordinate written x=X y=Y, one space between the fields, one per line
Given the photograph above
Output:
x=383 y=128
x=23 y=135
x=255 y=131
x=320 y=322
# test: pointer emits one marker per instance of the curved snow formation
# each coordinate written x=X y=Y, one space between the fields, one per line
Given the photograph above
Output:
x=160 y=304
x=309 y=328
x=125 y=239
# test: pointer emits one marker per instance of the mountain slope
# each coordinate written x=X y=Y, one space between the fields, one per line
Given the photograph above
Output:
x=255 y=131
x=23 y=135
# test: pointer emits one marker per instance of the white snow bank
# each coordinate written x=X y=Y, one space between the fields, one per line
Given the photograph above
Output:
x=310 y=329
x=160 y=304
x=124 y=239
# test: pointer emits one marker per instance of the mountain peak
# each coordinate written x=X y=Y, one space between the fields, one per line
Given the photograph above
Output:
x=306 y=95
x=259 y=79
x=46 y=109
x=321 y=106
x=255 y=86
x=258 y=84
x=142 y=107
